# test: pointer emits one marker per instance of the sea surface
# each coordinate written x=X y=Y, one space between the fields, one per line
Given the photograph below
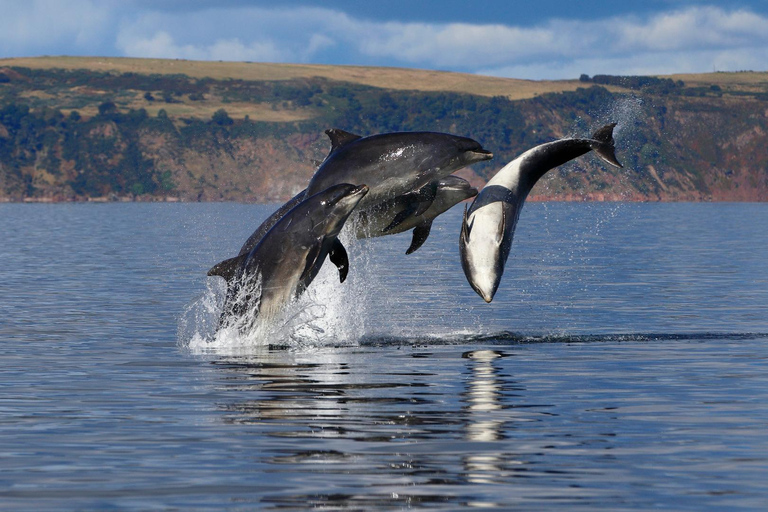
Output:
x=623 y=365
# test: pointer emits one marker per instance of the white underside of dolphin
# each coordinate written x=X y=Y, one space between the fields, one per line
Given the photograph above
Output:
x=489 y=223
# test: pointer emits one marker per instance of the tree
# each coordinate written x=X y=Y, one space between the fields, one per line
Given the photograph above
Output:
x=108 y=107
x=221 y=118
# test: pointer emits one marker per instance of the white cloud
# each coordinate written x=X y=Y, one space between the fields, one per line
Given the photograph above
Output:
x=238 y=33
x=40 y=26
x=695 y=37
x=688 y=39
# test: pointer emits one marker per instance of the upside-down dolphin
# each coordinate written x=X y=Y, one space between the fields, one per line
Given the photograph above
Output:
x=373 y=221
x=288 y=256
x=489 y=223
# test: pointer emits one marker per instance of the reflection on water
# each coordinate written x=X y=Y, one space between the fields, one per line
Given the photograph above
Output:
x=484 y=424
x=583 y=424
x=395 y=436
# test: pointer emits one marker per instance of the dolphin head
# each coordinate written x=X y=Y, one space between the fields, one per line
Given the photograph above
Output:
x=455 y=188
x=469 y=151
x=334 y=205
x=451 y=190
x=482 y=253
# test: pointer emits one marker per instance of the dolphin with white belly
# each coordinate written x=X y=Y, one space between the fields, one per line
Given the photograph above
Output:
x=489 y=223
x=288 y=257
x=373 y=221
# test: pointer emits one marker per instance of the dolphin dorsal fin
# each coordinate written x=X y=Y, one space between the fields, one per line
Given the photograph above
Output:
x=228 y=268
x=340 y=138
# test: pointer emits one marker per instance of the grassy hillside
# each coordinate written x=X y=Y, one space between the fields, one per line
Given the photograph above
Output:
x=79 y=128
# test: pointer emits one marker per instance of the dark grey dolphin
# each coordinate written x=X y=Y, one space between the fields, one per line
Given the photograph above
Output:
x=489 y=223
x=373 y=221
x=287 y=258
x=440 y=153
x=395 y=164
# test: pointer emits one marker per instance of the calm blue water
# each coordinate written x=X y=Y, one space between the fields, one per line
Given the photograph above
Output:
x=623 y=365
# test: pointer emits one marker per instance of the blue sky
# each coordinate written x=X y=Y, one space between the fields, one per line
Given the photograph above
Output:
x=540 y=39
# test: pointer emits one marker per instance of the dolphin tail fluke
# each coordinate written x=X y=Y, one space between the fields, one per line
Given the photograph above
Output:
x=603 y=145
x=420 y=235
x=228 y=268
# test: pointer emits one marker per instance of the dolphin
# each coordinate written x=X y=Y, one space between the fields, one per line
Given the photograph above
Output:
x=391 y=162
x=395 y=164
x=489 y=223
x=287 y=258
x=372 y=221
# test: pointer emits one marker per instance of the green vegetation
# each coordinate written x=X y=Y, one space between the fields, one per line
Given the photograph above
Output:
x=82 y=133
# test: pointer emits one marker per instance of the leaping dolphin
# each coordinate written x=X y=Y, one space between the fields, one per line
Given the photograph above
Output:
x=489 y=223
x=395 y=164
x=288 y=257
x=401 y=166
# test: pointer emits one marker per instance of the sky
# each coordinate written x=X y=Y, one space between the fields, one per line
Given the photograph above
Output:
x=538 y=39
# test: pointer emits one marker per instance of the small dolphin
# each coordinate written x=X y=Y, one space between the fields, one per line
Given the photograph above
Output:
x=288 y=257
x=395 y=164
x=489 y=223
x=373 y=221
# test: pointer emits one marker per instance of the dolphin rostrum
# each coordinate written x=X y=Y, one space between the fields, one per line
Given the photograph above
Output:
x=489 y=223
x=287 y=258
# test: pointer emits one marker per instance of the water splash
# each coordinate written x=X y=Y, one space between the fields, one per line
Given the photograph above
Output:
x=329 y=312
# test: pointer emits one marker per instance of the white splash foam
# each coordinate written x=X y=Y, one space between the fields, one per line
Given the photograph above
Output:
x=328 y=313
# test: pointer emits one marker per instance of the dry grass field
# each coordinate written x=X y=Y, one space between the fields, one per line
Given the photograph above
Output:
x=388 y=78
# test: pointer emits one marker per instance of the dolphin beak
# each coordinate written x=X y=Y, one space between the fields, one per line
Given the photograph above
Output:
x=478 y=155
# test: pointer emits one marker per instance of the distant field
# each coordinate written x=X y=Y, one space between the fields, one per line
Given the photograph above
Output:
x=388 y=78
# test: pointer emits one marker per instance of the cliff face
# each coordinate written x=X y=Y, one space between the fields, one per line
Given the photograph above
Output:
x=67 y=135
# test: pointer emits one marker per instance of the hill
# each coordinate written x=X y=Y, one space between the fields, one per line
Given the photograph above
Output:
x=84 y=128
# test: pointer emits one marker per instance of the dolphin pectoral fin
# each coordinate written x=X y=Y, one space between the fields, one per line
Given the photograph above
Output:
x=465 y=229
x=312 y=256
x=338 y=256
x=401 y=216
x=228 y=268
x=422 y=207
x=604 y=147
x=420 y=235
x=425 y=196
x=502 y=226
x=340 y=138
